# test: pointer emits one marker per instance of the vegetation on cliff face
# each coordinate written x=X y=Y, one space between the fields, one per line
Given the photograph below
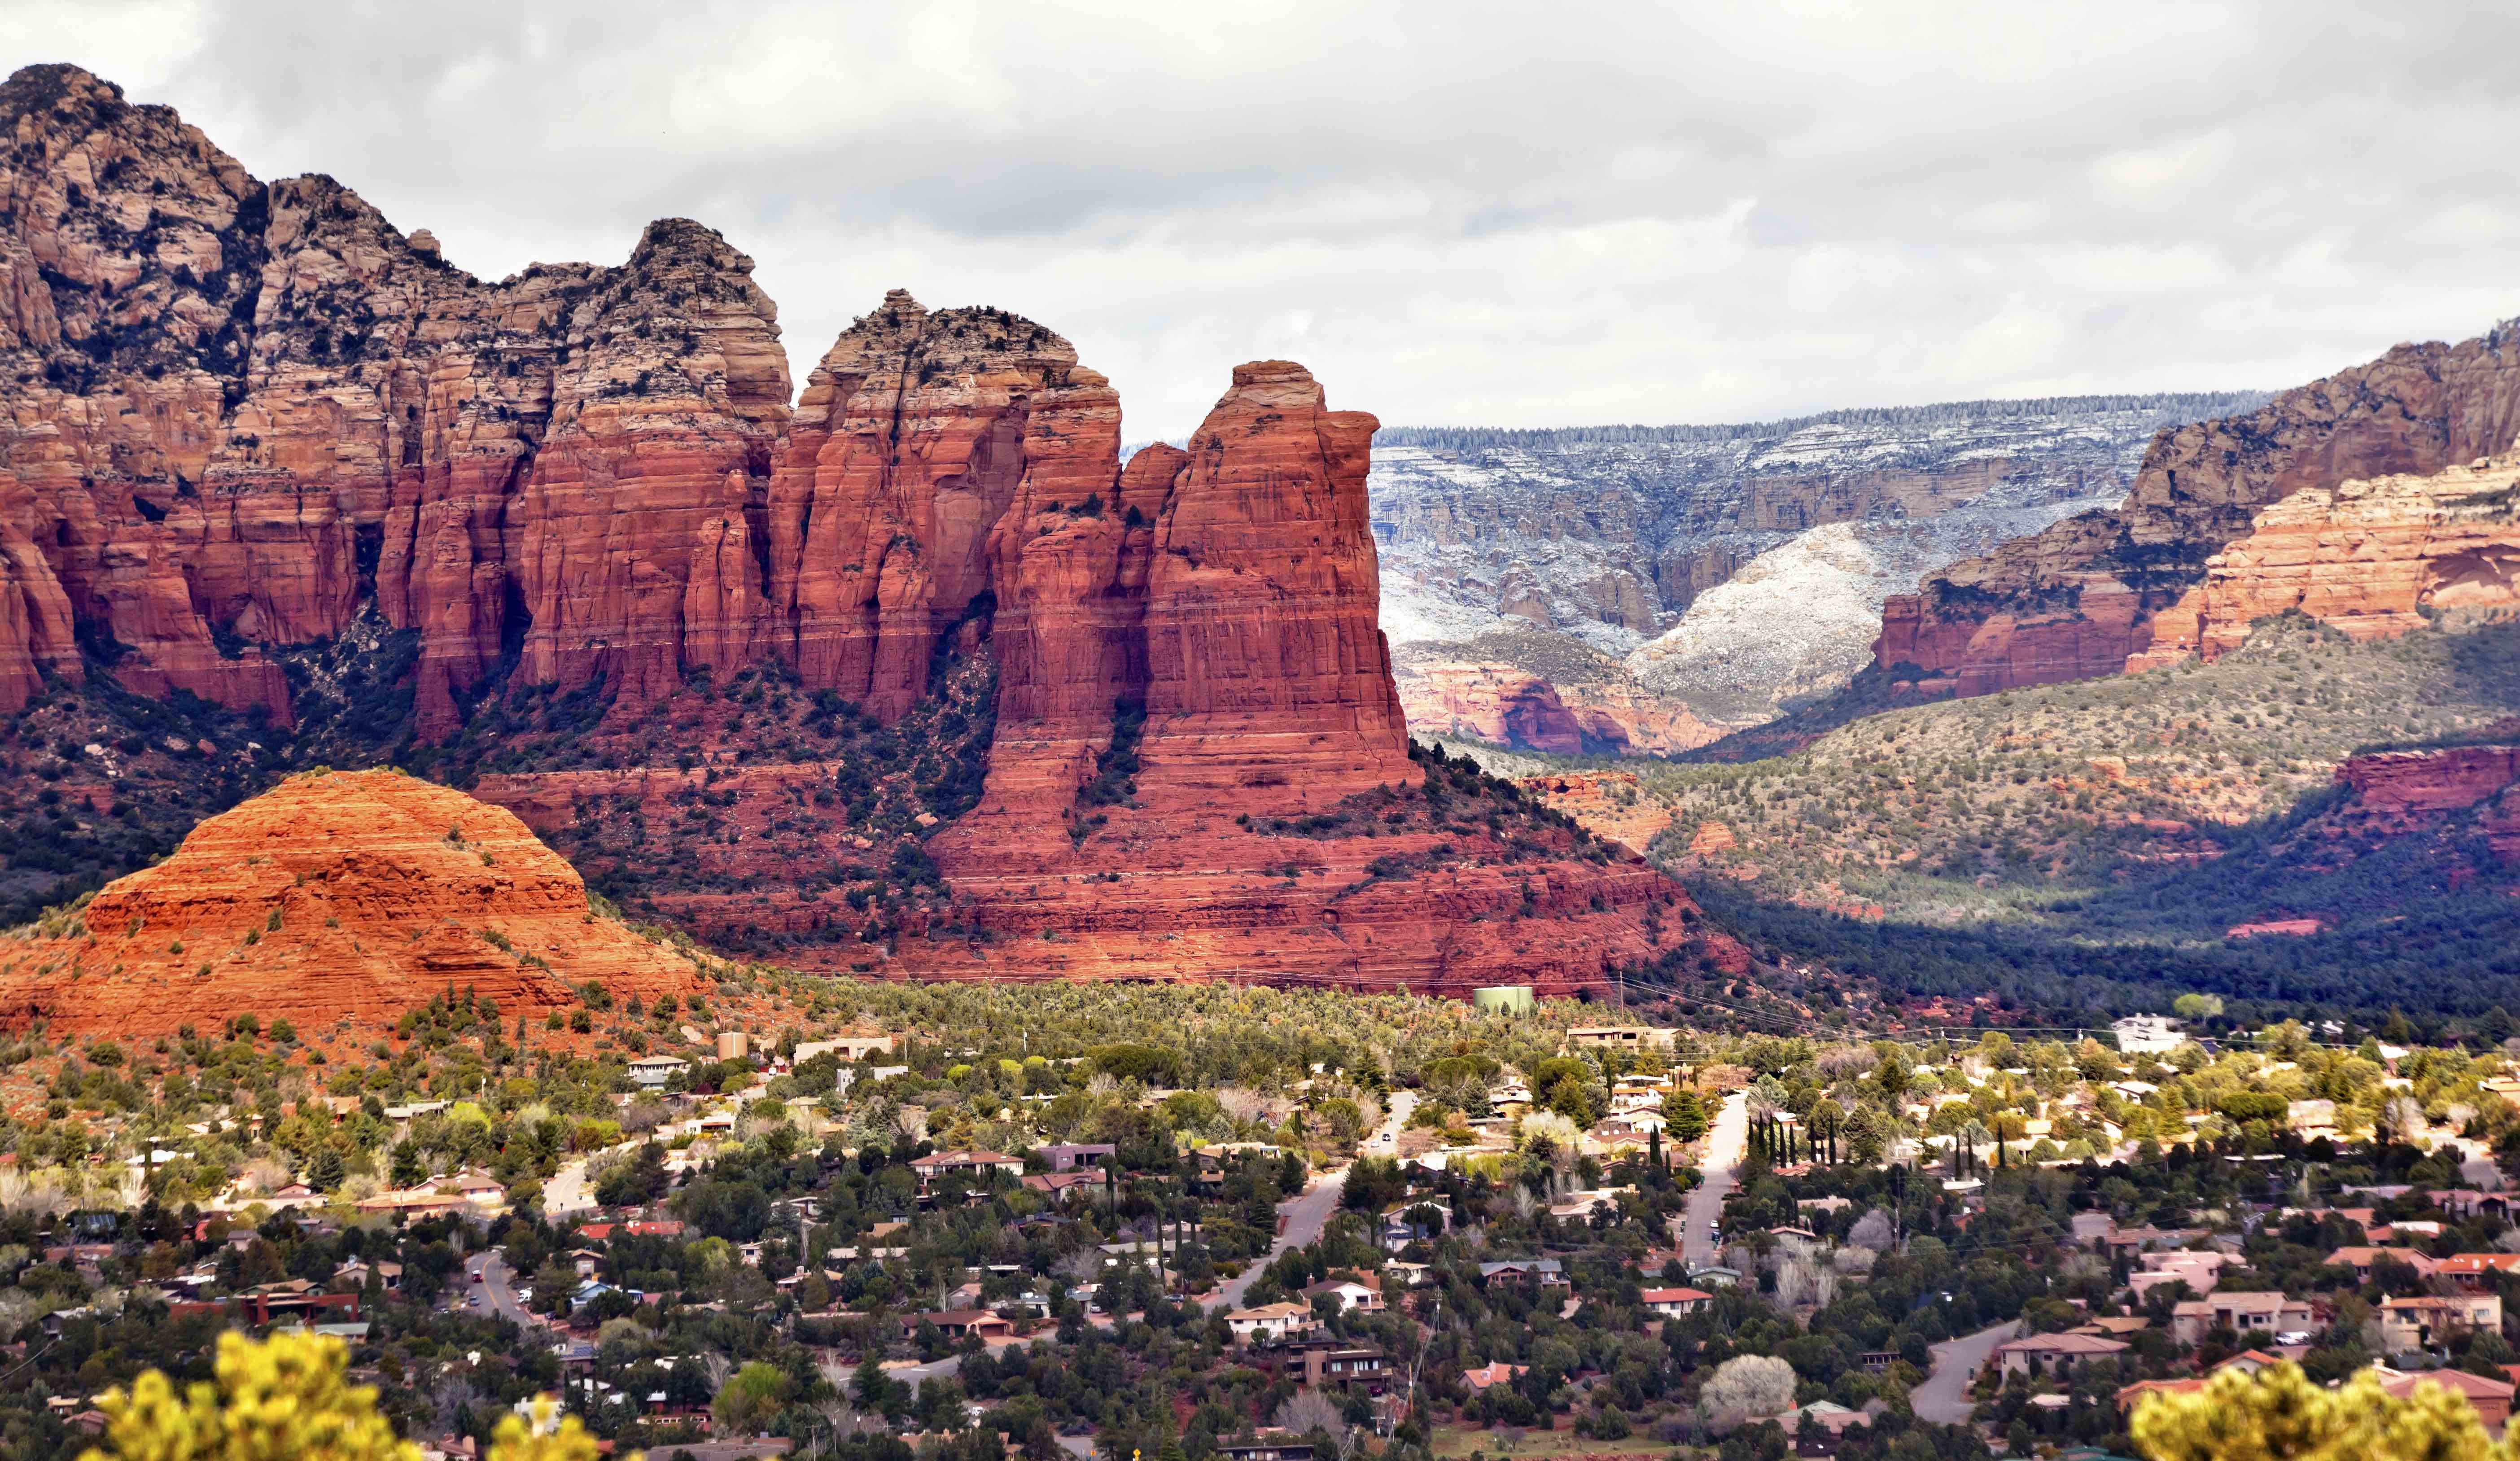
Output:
x=2111 y=833
x=780 y=790
x=72 y=819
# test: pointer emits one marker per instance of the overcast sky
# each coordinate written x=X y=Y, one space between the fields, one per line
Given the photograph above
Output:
x=1457 y=213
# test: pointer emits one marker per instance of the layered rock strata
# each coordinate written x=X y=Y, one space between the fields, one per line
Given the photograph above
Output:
x=2369 y=558
x=2395 y=792
x=1733 y=569
x=1509 y=706
x=335 y=897
x=2079 y=599
x=256 y=439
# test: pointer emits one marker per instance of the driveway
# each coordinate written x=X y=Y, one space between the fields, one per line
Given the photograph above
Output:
x=1725 y=1146
x=1943 y=1397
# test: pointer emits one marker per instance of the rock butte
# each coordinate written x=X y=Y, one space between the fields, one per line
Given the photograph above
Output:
x=336 y=895
x=247 y=419
x=2079 y=600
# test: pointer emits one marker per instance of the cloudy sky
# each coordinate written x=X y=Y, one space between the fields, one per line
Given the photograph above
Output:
x=1456 y=214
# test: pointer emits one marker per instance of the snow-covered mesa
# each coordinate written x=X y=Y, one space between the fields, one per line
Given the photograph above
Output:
x=1734 y=569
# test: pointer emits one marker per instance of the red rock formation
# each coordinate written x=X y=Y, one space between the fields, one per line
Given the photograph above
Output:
x=1268 y=696
x=1710 y=838
x=1515 y=707
x=1266 y=669
x=230 y=394
x=2408 y=781
x=336 y=896
x=2292 y=928
x=2368 y=558
x=914 y=439
x=1611 y=803
x=243 y=421
x=2076 y=601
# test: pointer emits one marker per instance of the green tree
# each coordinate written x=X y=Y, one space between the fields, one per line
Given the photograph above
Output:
x=2279 y=1415
x=750 y=1396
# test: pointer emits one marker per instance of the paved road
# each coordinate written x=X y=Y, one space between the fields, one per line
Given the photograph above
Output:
x=1725 y=1146
x=568 y=1191
x=1943 y=1397
x=496 y=1293
x=1307 y=1214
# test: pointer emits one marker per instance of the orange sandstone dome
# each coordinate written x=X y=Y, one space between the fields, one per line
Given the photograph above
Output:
x=336 y=895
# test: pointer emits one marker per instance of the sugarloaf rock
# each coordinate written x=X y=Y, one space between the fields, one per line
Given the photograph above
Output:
x=335 y=897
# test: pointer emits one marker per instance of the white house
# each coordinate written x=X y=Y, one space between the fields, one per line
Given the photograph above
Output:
x=1270 y=1321
x=656 y=1070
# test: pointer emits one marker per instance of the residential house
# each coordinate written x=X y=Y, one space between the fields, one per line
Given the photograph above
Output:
x=1360 y=1296
x=1346 y=1364
x=2474 y=1272
x=1548 y=1272
x=2131 y=1396
x=1064 y=1186
x=954 y=1323
x=2249 y=1361
x=2490 y=1399
x=2198 y=1270
x=658 y=1227
x=1270 y=1321
x=2244 y=1314
x=1069 y=1156
x=963 y=1164
x=2430 y=1319
x=1673 y=1301
x=2468 y=1201
x=653 y=1071
x=357 y=1271
x=2052 y=1353
x=477 y=1187
x=1272 y=1445
x=2146 y=1035
x=847 y=1047
x=1621 y=1037
x=1404 y=1223
x=1499 y=1373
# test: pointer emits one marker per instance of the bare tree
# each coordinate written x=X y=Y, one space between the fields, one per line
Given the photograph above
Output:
x=1873 y=1230
x=1746 y=1388
x=1802 y=1278
x=1309 y=1410
x=449 y=1397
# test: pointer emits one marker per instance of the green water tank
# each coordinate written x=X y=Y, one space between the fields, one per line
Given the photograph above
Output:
x=1505 y=999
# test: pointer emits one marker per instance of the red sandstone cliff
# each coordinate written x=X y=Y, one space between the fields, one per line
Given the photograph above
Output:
x=2369 y=558
x=2079 y=599
x=2397 y=792
x=253 y=431
x=336 y=896
x=243 y=410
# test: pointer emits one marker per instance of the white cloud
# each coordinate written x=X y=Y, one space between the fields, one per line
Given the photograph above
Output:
x=1479 y=214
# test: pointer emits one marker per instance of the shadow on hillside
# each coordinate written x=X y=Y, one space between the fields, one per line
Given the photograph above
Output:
x=2422 y=921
